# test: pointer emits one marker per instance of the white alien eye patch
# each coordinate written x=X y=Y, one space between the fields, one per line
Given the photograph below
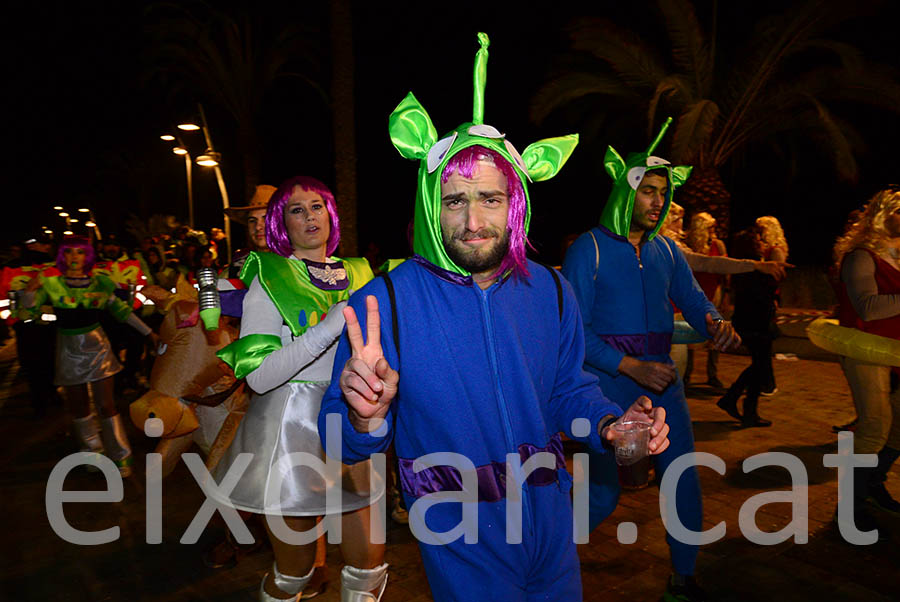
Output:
x=517 y=157
x=635 y=175
x=485 y=131
x=438 y=150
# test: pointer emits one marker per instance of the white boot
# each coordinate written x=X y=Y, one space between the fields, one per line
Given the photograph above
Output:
x=87 y=429
x=116 y=443
x=286 y=583
x=357 y=585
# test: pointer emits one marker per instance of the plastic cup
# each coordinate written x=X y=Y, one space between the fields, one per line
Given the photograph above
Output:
x=632 y=453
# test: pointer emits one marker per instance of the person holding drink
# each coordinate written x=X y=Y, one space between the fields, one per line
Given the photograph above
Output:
x=624 y=276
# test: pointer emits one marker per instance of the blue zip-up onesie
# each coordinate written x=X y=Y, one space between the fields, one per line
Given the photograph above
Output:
x=626 y=308
x=483 y=373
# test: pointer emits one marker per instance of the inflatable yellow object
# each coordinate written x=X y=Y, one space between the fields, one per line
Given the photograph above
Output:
x=684 y=334
x=852 y=342
x=178 y=417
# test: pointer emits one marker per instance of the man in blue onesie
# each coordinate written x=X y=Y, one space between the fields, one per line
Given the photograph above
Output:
x=470 y=349
x=624 y=276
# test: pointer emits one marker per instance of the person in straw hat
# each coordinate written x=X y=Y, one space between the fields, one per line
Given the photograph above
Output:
x=253 y=216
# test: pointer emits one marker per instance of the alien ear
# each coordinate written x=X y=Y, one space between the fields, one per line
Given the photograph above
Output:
x=680 y=174
x=613 y=163
x=546 y=157
x=411 y=129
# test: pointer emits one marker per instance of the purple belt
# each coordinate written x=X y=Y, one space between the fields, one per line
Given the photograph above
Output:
x=491 y=477
x=652 y=343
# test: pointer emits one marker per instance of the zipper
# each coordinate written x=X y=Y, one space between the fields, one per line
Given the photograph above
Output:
x=501 y=401
x=644 y=301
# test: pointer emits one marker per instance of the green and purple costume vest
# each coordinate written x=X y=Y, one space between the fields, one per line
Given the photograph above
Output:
x=300 y=303
x=98 y=295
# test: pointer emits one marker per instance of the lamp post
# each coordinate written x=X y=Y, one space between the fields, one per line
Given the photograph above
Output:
x=182 y=150
x=91 y=222
x=211 y=158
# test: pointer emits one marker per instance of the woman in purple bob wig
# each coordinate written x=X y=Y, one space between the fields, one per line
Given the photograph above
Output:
x=76 y=242
x=277 y=236
x=292 y=317
x=85 y=361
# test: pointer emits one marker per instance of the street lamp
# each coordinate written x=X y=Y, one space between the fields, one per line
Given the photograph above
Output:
x=167 y=137
x=211 y=158
x=182 y=151
x=188 y=127
x=91 y=222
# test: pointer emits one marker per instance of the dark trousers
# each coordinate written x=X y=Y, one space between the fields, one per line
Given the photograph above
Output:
x=755 y=376
x=36 y=348
x=122 y=336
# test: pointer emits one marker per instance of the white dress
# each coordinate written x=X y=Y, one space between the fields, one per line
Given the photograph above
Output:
x=281 y=422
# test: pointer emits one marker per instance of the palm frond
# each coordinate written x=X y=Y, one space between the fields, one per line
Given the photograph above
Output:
x=572 y=86
x=629 y=56
x=693 y=129
x=690 y=47
x=848 y=56
x=668 y=87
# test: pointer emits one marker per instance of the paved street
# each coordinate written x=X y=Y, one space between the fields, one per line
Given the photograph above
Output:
x=38 y=565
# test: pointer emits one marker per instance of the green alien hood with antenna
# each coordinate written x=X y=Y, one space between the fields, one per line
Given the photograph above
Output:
x=413 y=134
x=627 y=175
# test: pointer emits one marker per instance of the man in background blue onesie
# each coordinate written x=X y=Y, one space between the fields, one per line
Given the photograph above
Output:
x=624 y=276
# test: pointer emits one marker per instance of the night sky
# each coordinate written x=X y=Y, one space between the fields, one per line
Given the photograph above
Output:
x=83 y=119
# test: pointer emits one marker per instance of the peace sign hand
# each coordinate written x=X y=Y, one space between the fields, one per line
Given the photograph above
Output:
x=367 y=381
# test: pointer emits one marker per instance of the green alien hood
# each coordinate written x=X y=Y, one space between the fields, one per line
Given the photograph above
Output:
x=415 y=137
x=627 y=175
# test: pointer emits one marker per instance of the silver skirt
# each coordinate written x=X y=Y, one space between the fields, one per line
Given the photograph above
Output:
x=280 y=431
x=84 y=358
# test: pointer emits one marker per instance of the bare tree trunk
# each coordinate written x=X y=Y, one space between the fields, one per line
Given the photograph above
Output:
x=251 y=159
x=343 y=125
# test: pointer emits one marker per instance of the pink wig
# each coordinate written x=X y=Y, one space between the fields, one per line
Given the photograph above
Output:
x=276 y=232
x=75 y=242
x=465 y=162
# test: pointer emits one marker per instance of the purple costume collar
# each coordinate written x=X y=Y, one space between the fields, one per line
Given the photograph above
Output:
x=441 y=273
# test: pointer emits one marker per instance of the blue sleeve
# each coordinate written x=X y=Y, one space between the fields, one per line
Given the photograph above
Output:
x=576 y=393
x=355 y=446
x=580 y=269
x=687 y=294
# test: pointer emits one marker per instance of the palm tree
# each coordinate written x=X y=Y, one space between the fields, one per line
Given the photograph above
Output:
x=789 y=81
x=231 y=61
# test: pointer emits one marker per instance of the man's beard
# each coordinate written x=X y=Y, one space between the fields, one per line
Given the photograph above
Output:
x=643 y=221
x=477 y=261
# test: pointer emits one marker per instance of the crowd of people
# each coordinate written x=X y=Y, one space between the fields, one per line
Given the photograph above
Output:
x=466 y=347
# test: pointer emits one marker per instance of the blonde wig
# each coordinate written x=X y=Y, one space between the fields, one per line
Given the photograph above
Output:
x=868 y=231
x=698 y=234
x=672 y=228
x=771 y=233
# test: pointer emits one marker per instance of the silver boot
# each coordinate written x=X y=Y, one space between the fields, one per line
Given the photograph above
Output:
x=357 y=585
x=286 y=583
x=87 y=430
x=116 y=443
